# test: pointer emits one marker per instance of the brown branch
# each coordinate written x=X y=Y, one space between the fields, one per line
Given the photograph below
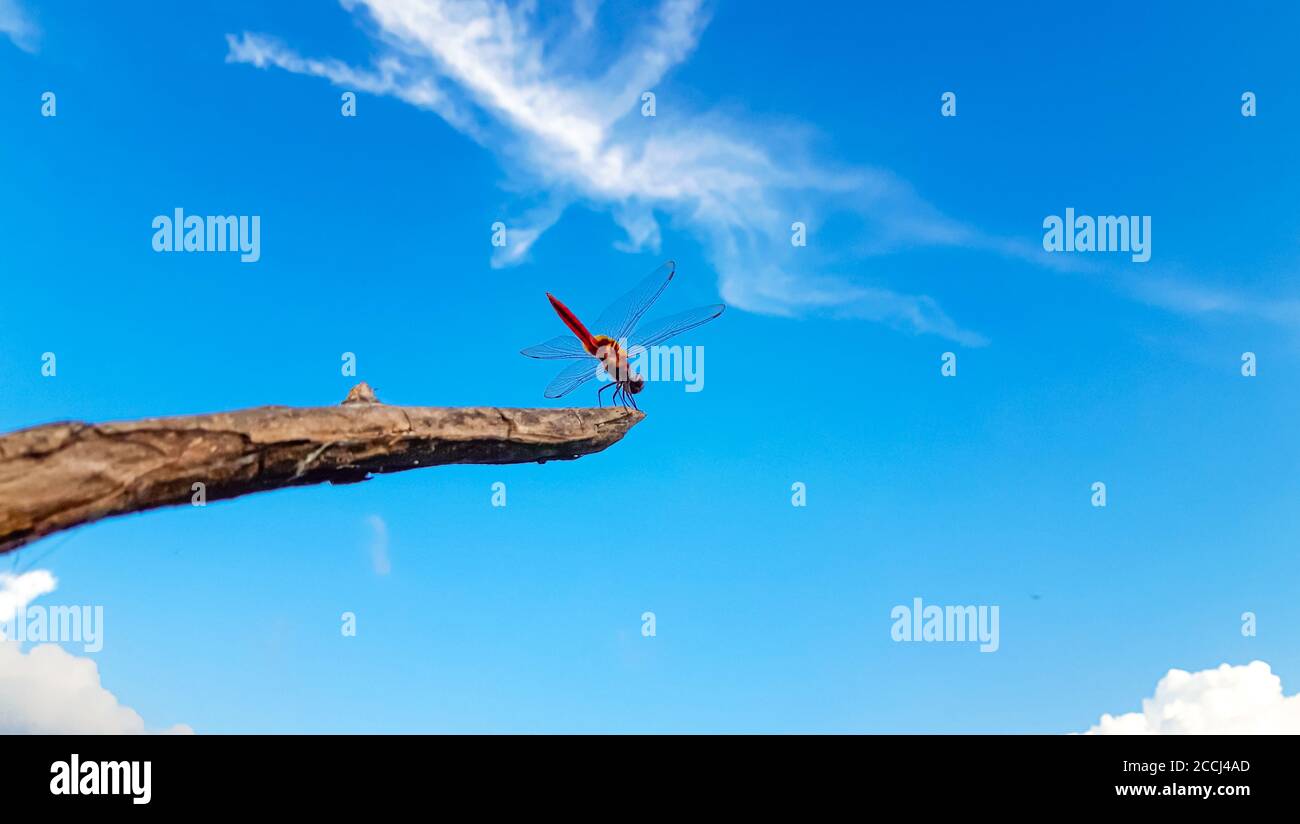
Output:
x=62 y=475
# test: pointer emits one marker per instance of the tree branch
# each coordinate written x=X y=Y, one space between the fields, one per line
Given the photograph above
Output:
x=62 y=475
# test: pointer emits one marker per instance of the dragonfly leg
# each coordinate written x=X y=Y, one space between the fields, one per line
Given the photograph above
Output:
x=600 y=402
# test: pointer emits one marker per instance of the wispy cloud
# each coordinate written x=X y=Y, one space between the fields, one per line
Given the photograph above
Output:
x=566 y=122
x=1186 y=298
x=17 y=25
x=584 y=11
x=379 y=558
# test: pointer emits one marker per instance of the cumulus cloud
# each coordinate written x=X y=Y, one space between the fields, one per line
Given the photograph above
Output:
x=18 y=26
x=563 y=114
x=48 y=690
x=1241 y=699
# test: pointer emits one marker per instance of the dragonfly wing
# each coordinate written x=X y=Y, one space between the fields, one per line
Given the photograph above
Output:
x=561 y=346
x=621 y=317
x=573 y=376
x=660 y=330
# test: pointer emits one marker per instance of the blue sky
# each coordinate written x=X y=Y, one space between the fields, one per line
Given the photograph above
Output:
x=924 y=237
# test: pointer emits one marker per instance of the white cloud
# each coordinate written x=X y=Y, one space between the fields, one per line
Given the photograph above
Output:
x=1243 y=699
x=564 y=118
x=379 y=558
x=584 y=11
x=48 y=690
x=18 y=26
x=17 y=591
x=1194 y=299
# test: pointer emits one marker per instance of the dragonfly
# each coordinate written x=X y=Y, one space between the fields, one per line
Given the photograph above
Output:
x=618 y=338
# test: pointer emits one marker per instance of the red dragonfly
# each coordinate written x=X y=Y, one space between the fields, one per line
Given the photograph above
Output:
x=617 y=335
